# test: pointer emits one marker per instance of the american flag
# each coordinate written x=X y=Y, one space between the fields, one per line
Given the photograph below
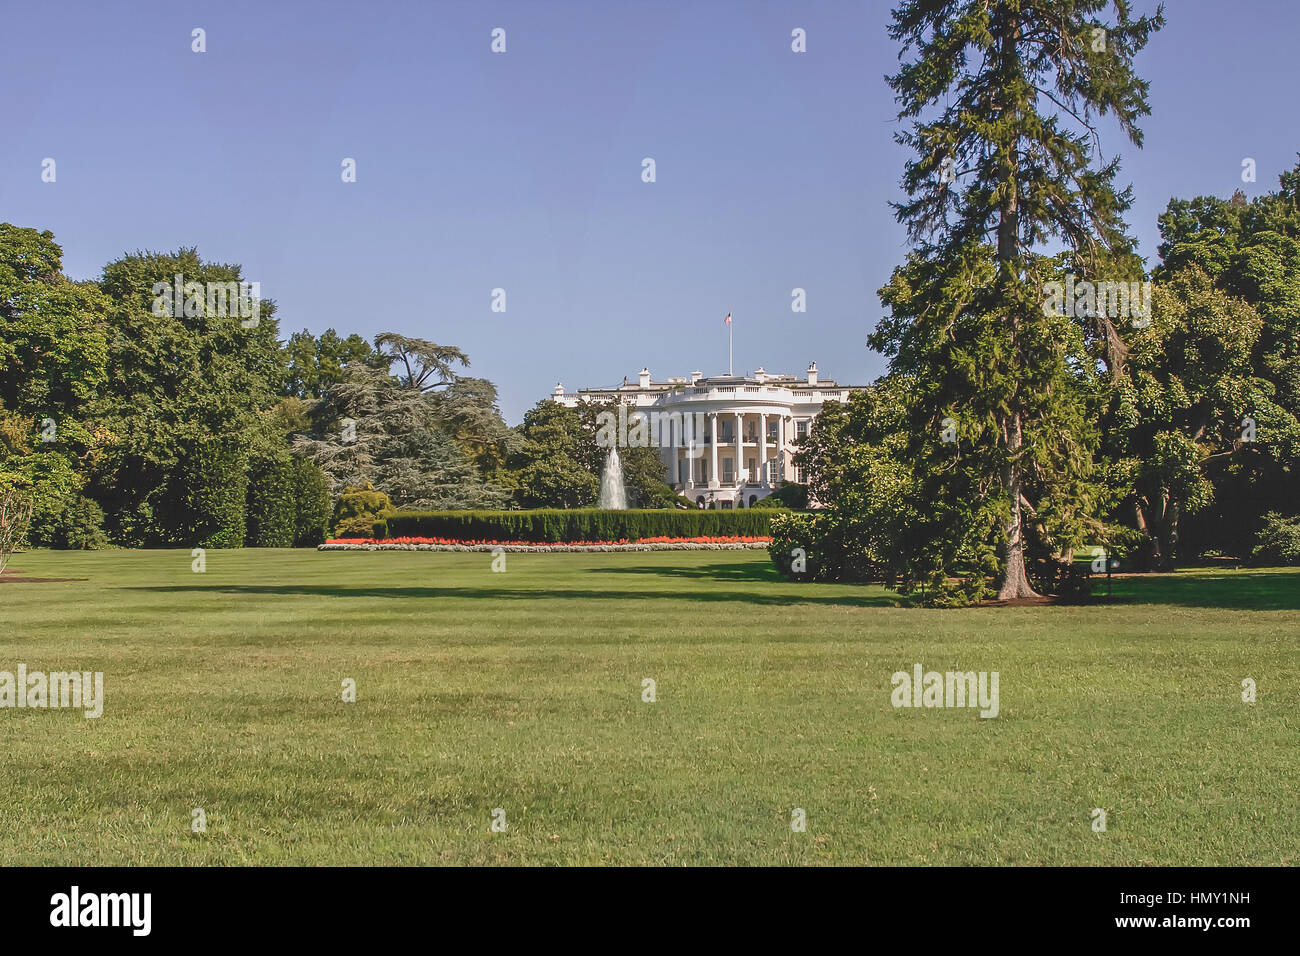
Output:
x=727 y=320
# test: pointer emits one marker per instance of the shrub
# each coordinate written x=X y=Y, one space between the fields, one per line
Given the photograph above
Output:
x=82 y=526
x=790 y=495
x=271 y=508
x=1278 y=542
x=1071 y=581
x=213 y=490
x=794 y=538
x=357 y=511
x=834 y=547
x=311 y=493
x=577 y=524
x=51 y=483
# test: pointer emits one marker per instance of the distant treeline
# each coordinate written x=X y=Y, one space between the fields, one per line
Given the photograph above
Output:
x=158 y=406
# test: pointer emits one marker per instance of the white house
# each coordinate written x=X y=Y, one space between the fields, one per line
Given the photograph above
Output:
x=755 y=419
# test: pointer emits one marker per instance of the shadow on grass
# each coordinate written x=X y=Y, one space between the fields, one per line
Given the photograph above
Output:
x=1230 y=590
x=718 y=595
x=758 y=572
x=1255 y=591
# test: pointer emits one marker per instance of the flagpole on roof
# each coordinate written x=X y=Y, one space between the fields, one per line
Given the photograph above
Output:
x=730 y=372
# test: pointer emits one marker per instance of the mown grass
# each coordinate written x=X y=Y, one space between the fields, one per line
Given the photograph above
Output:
x=523 y=690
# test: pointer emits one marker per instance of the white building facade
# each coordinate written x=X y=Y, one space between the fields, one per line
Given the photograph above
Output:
x=744 y=447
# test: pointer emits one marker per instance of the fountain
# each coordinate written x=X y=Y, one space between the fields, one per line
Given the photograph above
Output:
x=612 y=493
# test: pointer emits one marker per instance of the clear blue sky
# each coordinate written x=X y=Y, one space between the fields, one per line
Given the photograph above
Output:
x=523 y=170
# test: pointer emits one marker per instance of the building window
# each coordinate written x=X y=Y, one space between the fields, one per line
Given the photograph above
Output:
x=801 y=428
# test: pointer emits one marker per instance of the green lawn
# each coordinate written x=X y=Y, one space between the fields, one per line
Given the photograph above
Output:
x=522 y=690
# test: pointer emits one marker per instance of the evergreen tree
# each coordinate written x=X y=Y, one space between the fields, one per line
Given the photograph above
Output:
x=423 y=436
x=1003 y=99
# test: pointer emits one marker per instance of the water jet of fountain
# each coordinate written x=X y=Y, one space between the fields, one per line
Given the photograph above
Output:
x=612 y=492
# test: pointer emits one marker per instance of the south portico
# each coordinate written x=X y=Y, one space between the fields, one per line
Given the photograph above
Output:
x=742 y=457
x=743 y=447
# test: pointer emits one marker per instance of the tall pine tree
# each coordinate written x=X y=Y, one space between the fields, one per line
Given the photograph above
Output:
x=1002 y=100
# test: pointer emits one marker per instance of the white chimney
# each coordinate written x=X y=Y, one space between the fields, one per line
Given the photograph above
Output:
x=559 y=389
x=696 y=376
x=760 y=375
x=812 y=373
x=645 y=378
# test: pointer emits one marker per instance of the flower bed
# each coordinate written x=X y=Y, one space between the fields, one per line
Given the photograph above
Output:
x=730 y=543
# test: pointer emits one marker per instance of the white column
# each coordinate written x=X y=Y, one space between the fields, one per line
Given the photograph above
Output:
x=780 y=444
x=713 y=449
x=762 y=448
x=740 y=447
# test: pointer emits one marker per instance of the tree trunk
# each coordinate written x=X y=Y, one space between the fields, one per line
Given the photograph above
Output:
x=1156 y=516
x=1015 y=581
x=1171 y=535
x=1151 y=543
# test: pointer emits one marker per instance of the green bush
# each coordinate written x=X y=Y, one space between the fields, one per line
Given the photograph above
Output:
x=577 y=524
x=271 y=508
x=311 y=492
x=790 y=495
x=834 y=547
x=81 y=527
x=213 y=484
x=1070 y=581
x=52 y=484
x=1278 y=541
x=357 y=511
x=794 y=548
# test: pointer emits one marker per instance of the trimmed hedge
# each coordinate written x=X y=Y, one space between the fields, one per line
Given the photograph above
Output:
x=578 y=524
x=214 y=488
x=311 y=492
x=271 y=510
x=288 y=503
